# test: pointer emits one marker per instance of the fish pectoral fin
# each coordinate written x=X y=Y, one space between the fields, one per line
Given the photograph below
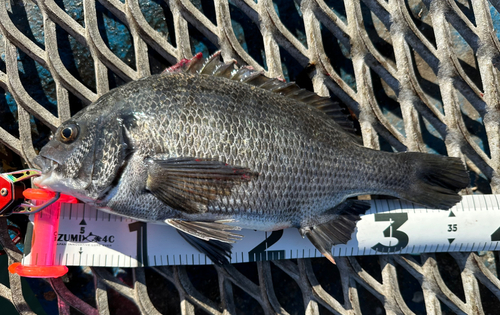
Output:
x=337 y=231
x=217 y=251
x=207 y=230
x=189 y=184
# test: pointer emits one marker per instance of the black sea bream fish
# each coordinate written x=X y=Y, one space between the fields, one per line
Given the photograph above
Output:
x=209 y=148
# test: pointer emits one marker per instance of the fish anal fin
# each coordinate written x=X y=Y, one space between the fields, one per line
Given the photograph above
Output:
x=190 y=184
x=337 y=231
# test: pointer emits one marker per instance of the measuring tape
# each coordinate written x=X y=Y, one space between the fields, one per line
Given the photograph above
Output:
x=88 y=237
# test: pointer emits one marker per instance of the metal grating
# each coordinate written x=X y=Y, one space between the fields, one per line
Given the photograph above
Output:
x=419 y=75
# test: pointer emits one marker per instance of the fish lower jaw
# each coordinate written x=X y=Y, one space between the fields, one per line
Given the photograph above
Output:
x=46 y=181
x=51 y=181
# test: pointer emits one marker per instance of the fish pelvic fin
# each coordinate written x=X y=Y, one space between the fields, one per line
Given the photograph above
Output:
x=436 y=180
x=207 y=230
x=337 y=231
x=190 y=184
x=217 y=251
x=210 y=238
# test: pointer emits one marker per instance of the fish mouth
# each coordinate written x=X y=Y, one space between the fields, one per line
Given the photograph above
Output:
x=53 y=180
x=48 y=176
x=45 y=164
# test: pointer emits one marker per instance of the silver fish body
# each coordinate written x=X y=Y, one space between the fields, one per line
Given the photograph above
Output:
x=271 y=161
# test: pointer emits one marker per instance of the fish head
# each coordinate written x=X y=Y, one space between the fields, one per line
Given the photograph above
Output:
x=84 y=156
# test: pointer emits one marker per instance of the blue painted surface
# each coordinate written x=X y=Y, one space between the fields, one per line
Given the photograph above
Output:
x=74 y=8
x=338 y=8
x=495 y=16
x=116 y=35
x=31 y=24
x=291 y=16
x=159 y=18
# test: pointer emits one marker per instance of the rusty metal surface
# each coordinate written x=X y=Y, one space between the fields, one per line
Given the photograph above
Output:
x=419 y=75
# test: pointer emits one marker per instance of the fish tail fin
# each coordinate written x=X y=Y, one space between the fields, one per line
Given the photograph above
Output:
x=337 y=231
x=436 y=181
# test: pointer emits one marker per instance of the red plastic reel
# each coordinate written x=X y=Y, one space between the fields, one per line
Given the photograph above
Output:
x=6 y=187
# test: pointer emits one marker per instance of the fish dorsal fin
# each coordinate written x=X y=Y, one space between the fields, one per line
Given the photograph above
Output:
x=215 y=67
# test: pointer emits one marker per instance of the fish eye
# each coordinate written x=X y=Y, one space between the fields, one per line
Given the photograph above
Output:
x=69 y=133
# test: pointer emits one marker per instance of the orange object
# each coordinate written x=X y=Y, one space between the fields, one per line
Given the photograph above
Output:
x=38 y=194
x=43 y=242
x=43 y=194
x=38 y=271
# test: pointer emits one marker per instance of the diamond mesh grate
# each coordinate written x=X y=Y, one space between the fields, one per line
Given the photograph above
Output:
x=419 y=75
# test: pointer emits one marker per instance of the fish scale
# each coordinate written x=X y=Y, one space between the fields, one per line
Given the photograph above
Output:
x=270 y=141
x=193 y=147
x=313 y=156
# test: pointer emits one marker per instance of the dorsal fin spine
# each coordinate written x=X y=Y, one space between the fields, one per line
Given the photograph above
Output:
x=215 y=67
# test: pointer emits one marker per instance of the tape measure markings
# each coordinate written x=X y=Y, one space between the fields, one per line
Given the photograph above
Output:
x=90 y=237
